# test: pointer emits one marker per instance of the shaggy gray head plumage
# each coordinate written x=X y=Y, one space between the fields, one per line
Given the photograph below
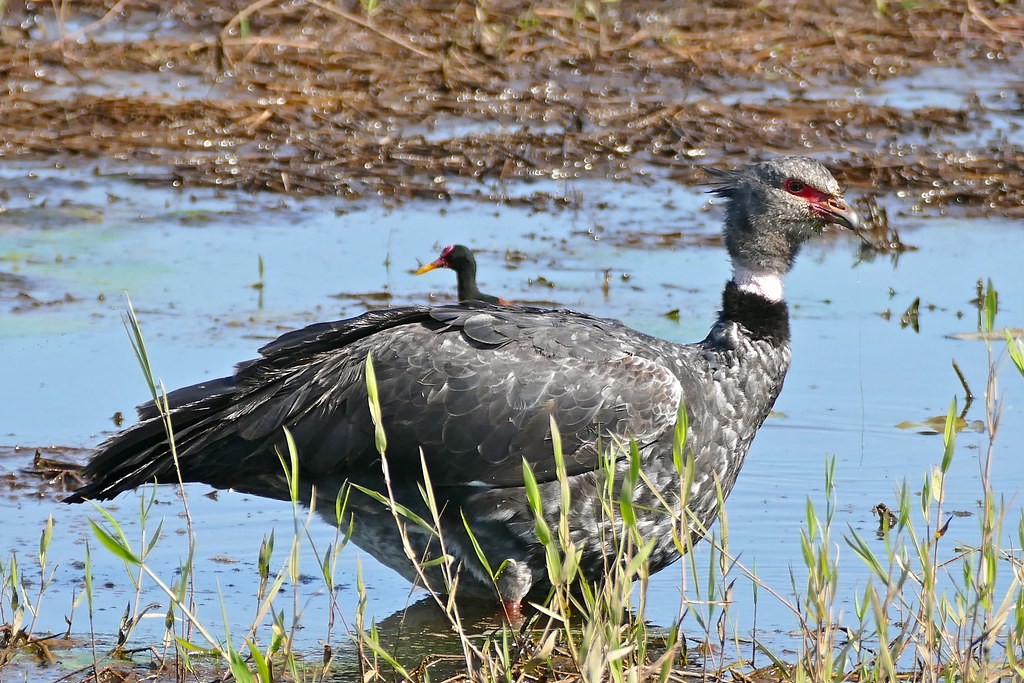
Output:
x=766 y=223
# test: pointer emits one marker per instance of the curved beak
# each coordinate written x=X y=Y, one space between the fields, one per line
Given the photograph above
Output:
x=836 y=211
x=439 y=263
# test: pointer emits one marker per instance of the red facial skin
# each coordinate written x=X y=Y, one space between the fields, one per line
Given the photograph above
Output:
x=821 y=203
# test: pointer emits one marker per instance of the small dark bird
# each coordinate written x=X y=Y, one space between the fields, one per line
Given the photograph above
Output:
x=460 y=259
x=474 y=390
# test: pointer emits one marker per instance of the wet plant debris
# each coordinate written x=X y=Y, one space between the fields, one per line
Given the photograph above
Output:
x=443 y=99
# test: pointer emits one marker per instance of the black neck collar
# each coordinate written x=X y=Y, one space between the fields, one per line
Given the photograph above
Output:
x=763 y=319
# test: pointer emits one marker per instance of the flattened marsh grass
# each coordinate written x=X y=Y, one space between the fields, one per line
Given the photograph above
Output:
x=931 y=610
x=521 y=80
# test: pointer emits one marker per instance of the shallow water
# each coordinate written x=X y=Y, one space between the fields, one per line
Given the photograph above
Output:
x=189 y=260
x=72 y=243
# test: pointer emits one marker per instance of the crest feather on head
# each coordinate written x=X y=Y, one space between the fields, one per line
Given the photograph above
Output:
x=722 y=183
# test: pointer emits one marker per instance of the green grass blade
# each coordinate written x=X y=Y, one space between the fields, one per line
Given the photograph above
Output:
x=949 y=436
x=373 y=398
x=476 y=546
x=1015 y=347
x=113 y=545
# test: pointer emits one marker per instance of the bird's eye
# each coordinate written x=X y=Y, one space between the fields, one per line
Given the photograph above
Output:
x=794 y=186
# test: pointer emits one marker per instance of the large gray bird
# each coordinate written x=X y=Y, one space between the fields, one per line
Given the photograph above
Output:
x=475 y=386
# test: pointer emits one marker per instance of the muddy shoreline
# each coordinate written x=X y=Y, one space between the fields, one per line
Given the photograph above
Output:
x=458 y=99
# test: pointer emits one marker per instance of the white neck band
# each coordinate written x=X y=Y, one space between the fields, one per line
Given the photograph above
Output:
x=765 y=285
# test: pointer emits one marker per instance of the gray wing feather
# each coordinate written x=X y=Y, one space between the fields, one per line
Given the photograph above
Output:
x=477 y=395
